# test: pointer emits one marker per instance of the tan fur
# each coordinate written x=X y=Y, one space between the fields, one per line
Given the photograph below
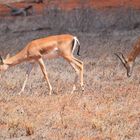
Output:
x=49 y=47
x=134 y=52
x=129 y=59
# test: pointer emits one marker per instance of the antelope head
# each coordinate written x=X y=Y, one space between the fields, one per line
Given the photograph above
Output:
x=1 y=61
x=3 y=66
x=127 y=64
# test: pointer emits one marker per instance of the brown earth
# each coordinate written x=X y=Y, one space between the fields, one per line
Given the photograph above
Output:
x=108 y=109
x=72 y=4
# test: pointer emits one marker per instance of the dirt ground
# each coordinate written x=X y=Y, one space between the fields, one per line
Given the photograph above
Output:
x=108 y=109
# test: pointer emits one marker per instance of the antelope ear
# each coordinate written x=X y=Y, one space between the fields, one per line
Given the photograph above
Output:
x=1 y=61
x=7 y=56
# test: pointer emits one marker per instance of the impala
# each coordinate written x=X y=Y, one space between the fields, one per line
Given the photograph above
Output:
x=20 y=11
x=129 y=60
x=48 y=47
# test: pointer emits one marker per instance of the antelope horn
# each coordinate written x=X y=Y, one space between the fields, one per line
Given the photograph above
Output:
x=122 y=58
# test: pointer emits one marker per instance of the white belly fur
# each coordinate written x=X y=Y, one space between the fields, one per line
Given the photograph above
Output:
x=52 y=54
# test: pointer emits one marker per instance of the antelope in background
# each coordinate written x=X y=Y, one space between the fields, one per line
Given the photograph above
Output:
x=129 y=60
x=49 y=47
x=20 y=11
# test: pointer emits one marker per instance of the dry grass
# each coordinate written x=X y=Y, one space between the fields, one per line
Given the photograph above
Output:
x=107 y=110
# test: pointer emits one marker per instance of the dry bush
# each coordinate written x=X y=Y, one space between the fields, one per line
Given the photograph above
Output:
x=17 y=128
x=107 y=110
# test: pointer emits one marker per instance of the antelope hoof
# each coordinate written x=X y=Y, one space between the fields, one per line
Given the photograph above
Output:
x=130 y=69
x=83 y=89
x=20 y=92
x=74 y=88
x=50 y=92
x=128 y=75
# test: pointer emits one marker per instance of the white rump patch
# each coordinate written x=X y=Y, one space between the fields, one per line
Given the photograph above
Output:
x=76 y=41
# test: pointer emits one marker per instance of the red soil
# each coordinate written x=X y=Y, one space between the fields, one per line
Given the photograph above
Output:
x=98 y=4
x=71 y=4
x=4 y=10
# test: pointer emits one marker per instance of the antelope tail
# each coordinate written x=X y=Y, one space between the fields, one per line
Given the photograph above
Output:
x=76 y=43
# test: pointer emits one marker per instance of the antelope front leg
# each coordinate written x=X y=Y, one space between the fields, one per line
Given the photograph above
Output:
x=30 y=67
x=43 y=68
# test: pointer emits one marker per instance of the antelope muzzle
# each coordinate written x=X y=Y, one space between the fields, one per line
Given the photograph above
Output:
x=1 y=61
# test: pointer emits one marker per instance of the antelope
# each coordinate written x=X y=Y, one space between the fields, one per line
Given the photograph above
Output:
x=129 y=60
x=49 y=47
x=19 y=11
